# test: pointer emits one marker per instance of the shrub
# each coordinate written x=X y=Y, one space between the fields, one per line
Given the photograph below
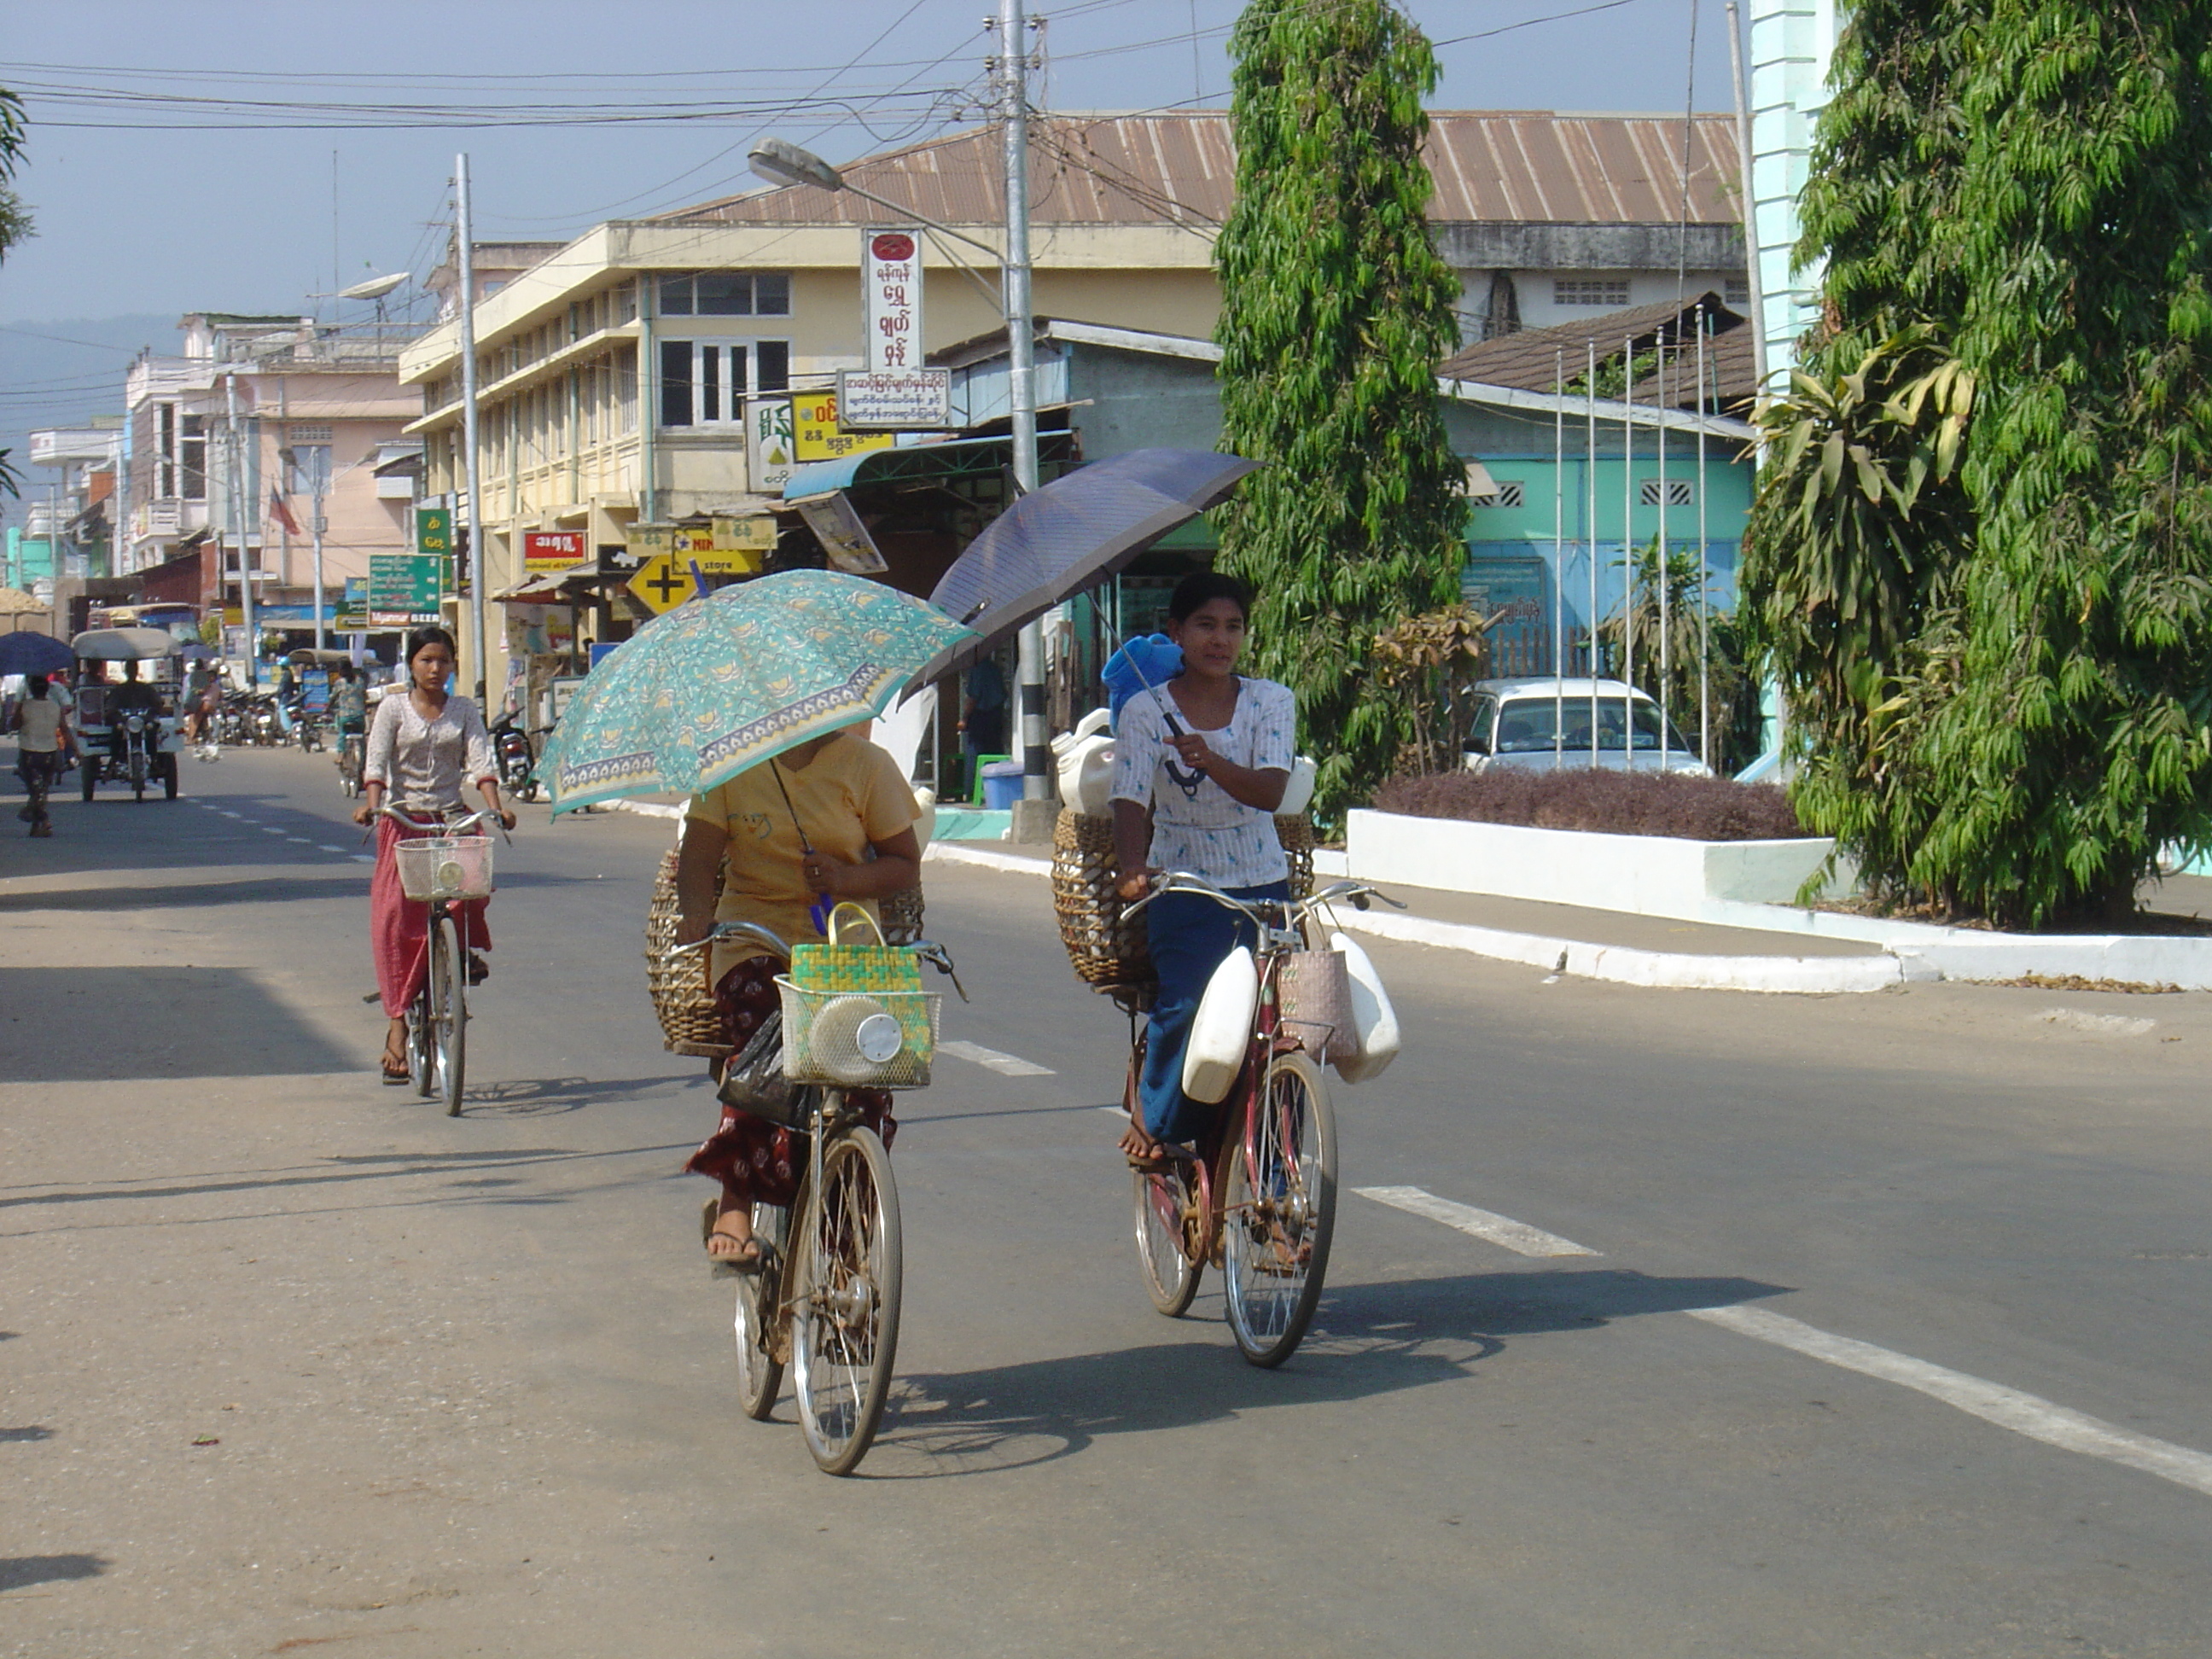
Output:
x=1613 y=803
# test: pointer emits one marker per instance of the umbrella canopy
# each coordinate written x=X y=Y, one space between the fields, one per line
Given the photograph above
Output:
x=722 y=683
x=1072 y=534
x=124 y=644
x=32 y=654
x=13 y=602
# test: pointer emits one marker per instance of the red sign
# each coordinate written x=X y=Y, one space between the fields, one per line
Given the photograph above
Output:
x=553 y=549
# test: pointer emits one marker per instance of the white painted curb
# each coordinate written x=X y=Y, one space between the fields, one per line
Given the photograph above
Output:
x=1802 y=976
x=650 y=809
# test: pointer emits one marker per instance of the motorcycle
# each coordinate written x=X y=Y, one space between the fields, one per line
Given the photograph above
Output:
x=137 y=743
x=510 y=745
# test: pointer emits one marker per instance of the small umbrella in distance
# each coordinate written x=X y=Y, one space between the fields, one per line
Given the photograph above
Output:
x=1071 y=535
x=720 y=684
x=25 y=653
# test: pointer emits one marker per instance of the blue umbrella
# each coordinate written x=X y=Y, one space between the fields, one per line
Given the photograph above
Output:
x=25 y=653
x=1071 y=535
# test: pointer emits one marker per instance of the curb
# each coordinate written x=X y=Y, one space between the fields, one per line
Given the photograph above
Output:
x=650 y=809
x=1618 y=964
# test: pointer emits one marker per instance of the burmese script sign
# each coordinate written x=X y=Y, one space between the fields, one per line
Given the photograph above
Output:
x=894 y=400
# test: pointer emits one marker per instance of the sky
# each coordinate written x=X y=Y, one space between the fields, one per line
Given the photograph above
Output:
x=146 y=208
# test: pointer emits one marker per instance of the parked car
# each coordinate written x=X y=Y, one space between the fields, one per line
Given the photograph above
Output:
x=1539 y=725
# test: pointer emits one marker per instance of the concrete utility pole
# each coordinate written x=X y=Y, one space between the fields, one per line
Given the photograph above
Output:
x=320 y=485
x=238 y=529
x=463 y=234
x=1034 y=815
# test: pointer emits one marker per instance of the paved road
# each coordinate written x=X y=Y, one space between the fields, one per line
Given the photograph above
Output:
x=467 y=1388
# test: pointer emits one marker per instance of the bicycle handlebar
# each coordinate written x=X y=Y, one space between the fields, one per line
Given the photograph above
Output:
x=460 y=826
x=1355 y=893
x=722 y=930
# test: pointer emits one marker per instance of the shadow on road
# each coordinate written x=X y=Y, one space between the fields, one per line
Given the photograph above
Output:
x=545 y=1096
x=18 y=1571
x=110 y=1025
x=1368 y=1339
x=346 y=881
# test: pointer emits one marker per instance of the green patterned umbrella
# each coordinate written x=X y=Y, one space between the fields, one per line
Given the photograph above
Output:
x=725 y=683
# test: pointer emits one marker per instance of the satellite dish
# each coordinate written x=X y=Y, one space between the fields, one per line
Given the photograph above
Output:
x=375 y=289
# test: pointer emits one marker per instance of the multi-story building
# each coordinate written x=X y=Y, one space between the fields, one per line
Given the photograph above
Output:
x=231 y=444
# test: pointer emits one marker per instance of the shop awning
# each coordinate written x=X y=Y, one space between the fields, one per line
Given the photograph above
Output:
x=955 y=457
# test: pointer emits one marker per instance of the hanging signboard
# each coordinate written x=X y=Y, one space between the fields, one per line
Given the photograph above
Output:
x=351 y=614
x=736 y=545
x=843 y=536
x=890 y=302
x=894 y=400
x=554 y=549
x=769 y=447
x=403 y=590
x=434 y=531
x=817 y=435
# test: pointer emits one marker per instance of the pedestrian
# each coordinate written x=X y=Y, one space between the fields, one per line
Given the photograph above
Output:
x=982 y=718
x=1200 y=765
x=42 y=732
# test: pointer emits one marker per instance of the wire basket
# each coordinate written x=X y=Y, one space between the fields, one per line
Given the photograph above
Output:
x=858 y=1039
x=444 y=867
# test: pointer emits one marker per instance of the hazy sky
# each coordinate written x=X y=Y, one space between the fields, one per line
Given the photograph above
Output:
x=136 y=218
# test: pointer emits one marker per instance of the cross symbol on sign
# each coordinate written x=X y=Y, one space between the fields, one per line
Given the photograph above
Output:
x=667 y=584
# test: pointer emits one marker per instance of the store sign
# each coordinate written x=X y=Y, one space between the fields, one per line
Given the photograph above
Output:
x=837 y=526
x=894 y=400
x=770 y=448
x=817 y=435
x=434 y=531
x=351 y=614
x=554 y=549
x=725 y=545
x=404 y=590
x=891 y=290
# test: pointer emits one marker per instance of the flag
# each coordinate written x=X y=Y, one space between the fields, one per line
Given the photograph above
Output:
x=282 y=514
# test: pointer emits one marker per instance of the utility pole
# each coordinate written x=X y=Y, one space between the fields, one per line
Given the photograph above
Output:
x=463 y=235
x=238 y=530
x=319 y=483
x=1033 y=818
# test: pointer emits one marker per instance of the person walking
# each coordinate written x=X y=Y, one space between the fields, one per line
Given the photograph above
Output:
x=42 y=732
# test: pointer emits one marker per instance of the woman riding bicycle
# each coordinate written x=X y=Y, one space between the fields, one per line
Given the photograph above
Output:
x=424 y=745
x=1200 y=765
x=827 y=820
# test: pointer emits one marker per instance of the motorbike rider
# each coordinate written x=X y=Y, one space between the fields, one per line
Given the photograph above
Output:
x=133 y=697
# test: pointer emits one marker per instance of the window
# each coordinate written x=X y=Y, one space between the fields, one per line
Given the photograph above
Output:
x=165 y=452
x=307 y=469
x=1679 y=492
x=191 y=458
x=1590 y=292
x=1737 y=291
x=706 y=382
x=1511 y=492
x=726 y=293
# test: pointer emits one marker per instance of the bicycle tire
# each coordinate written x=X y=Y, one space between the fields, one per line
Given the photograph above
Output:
x=449 y=1011
x=846 y=1282
x=1281 y=1214
x=421 y=1050
x=760 y=1373
x=1162 y=1205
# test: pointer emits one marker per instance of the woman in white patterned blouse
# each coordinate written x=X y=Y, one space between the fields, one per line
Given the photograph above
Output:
x=1200 y=766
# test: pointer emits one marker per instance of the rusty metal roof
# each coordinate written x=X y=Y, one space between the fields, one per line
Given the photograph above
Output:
x=1535 y=359
x=1496 y=166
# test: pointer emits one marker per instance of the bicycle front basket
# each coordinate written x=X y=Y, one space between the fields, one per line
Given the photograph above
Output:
x=858 y=1039
x=444 y=867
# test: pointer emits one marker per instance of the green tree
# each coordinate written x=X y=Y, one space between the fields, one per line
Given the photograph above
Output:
x=1703 y=657
x=1335 y=310
x=15 y=226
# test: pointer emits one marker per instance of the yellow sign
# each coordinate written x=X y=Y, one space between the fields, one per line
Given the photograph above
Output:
x=664 y=582
x=723 y=538
x=816 y=436
x=749 y=535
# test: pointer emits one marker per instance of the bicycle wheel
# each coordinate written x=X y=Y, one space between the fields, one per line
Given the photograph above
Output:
x=1281 y=1211
x=1166 y=1211
x=760 y=1296
x=449 y=1014
x=845 y=1278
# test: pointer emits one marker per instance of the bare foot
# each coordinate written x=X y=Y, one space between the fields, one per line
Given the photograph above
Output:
x=731 y=1237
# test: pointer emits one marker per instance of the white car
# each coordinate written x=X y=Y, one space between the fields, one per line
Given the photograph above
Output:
x=1540 y=725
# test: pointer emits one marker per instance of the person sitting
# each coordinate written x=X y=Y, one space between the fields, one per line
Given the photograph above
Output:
x=133 y=697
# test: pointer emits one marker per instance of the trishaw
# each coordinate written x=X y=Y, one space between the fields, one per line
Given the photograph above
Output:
x=118 y=744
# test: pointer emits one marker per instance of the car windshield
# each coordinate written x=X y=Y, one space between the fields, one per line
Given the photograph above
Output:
x=1525 y=727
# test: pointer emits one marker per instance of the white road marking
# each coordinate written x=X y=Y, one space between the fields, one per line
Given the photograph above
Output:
x=233 y=815
x=302 y=840
x=364 y=858
x=330 y=849
x=1516 y=1235
x=270 y=829
x=2100 y=1024
x=2008 y=1408
x=992 y=1061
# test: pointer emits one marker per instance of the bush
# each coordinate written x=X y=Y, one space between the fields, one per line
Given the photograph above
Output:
x=1613 y=803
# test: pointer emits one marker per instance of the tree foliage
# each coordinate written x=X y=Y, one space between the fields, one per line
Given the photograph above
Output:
x=1704 y=666
x=14 y=218
x=1428 y=664
x=1336 y=309
x=2030 y=183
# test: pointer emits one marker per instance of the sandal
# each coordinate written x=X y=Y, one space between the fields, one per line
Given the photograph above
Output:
x=479 y=971
x=395 y=1076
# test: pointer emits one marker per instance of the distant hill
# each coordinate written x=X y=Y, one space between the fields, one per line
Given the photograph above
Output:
x=60 y=373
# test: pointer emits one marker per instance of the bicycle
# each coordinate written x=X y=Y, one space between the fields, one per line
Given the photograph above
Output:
x=447 y=867
x=1257 y=1198
x=828 y=1307
x=352 y=756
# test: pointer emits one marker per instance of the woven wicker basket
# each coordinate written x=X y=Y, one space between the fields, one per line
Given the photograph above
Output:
x=1107 y=951
x=683 y=999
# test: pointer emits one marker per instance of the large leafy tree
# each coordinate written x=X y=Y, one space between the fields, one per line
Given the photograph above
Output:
x=15 y=226
x=1335 y=310
x=2030 y=183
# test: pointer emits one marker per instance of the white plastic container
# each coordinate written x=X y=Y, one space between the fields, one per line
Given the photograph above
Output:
x=1222 y=1031
x=1298 y=794
x=1086 y=774
x=1373 y=1018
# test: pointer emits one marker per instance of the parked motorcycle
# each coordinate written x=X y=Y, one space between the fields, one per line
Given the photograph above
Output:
x=518 y=763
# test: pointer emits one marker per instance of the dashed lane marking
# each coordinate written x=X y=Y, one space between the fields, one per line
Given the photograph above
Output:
x=2008 y=1408
x=992 y=1061
x=270 y=829
x=1515 y=1235
x=330 y=849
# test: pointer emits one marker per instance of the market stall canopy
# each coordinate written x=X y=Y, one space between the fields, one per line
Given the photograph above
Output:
x=1071 y=535
x=124 y=645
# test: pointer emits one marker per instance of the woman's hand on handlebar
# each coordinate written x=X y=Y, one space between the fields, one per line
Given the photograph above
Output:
x=690 y=929
x=1136 y=883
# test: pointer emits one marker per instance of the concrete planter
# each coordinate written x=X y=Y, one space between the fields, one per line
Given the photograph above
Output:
x=1644 y=875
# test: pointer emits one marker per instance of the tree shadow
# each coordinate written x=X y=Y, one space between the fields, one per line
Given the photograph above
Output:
x=18 y=1571
x=340 y=882
x=1384 y=1337
x=81 y=1026
x=549 y=1097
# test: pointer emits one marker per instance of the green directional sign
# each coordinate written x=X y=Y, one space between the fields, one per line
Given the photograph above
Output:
x=404 y=589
